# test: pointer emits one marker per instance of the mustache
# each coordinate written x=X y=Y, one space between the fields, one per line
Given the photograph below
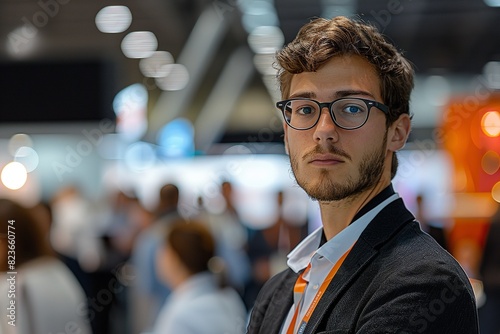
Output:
x=330 y=149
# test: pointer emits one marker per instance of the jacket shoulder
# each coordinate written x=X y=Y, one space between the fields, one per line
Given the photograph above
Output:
x=273 y=302
x=410 y=284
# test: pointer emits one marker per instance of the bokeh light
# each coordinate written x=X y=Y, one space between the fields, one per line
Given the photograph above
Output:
x=155 y=66
x=139 y=44
x=17 y=141
x=258 y=13
x=266 y=39
x=176 y=139
x=490 y=123
x=264 y=64
x=113 y=19
x=176 y=79
x=130 y=106
x=28 y=157
x=495 y=192
x=490 y=162
x=18 y=46
x=14 y=175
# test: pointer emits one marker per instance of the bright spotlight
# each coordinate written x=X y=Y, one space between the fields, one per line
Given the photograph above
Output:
x=14 y=175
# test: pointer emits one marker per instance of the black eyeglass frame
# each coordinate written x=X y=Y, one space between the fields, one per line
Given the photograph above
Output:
x=369 y=104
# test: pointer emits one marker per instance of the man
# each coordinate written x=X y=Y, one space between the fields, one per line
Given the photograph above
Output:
x=369 y=269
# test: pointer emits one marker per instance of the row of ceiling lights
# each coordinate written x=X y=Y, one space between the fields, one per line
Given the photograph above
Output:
x=143 y=45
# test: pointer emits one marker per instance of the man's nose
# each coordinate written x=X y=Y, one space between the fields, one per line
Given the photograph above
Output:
x=325 y=129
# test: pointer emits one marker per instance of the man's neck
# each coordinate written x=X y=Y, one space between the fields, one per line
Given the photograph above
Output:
x=337 y=215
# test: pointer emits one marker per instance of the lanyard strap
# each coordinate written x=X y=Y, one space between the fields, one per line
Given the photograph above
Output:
x=300 y=287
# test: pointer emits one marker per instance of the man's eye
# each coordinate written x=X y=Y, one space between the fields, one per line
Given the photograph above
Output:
x=353 y=109
x=306 y=110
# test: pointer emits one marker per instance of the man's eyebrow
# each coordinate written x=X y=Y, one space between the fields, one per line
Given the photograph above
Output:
x=347 y=93
x=307 y=95
x=335 y=95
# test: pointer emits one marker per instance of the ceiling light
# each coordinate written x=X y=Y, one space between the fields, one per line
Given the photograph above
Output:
x=22 y=41
x=266 y=39
x=154 y=66
x=176 y=79
x=264 y=63
x=113 y=19
x=258 y=13
x=139 y=44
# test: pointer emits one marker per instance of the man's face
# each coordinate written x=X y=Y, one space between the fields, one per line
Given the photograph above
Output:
x=328 y=162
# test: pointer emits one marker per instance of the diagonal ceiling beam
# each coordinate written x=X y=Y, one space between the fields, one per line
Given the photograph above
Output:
x=211 y=121
x=197 y=55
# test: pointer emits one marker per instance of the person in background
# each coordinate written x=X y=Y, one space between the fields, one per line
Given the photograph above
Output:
x=73 y=232
x=127 y=219
x=268 y=248
x=434 y=229
x=369 y=268
x=489 y=270
x=149 y=293
x=232 y=238
x=47 y=296
x=76 y=234
x=200 y=302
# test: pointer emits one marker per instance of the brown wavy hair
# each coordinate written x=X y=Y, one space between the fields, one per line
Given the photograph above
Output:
x=321 y=39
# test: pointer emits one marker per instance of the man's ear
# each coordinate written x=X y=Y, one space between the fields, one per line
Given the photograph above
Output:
x=398 y=133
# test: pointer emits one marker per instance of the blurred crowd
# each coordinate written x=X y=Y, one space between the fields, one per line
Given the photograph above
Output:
x=117 y=267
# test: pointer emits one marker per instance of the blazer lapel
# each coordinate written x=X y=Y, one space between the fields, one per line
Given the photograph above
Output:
x=384 y=225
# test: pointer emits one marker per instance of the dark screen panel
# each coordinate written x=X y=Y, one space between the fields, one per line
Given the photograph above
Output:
x=56 y=91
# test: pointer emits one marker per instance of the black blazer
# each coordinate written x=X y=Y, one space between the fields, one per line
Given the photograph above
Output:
x=396 y=279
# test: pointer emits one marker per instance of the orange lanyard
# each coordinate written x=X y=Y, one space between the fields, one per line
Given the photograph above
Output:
x=300 y=287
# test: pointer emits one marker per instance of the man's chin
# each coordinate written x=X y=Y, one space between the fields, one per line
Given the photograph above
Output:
x=323 y=191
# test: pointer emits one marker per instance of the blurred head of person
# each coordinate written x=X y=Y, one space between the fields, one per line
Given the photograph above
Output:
x=21 y=231
x=188 y=250
x=168 y=199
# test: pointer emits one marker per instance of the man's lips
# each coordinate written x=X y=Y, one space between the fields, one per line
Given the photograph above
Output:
x=325 y=159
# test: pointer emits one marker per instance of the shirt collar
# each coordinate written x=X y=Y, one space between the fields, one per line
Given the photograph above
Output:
x=333 y=249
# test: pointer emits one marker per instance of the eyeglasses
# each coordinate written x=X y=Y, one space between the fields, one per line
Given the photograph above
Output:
x=347 y=113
